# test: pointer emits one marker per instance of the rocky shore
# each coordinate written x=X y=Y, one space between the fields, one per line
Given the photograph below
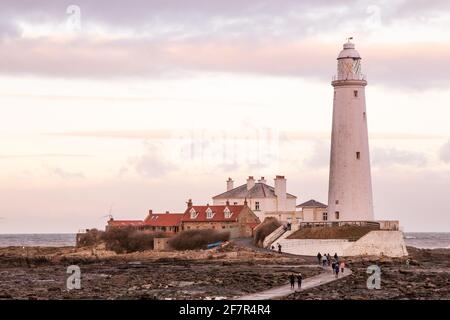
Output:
x=41 y=273
x=224 y=273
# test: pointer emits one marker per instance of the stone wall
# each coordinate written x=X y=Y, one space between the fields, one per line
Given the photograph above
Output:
x=310 y=247
x=232 y=227
x=161 y=244
x=377 y=243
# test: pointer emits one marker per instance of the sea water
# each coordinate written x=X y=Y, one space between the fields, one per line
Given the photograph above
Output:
x=426 y=240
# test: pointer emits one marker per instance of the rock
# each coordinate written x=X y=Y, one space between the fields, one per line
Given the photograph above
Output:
x=403 y=271
x=53 y=289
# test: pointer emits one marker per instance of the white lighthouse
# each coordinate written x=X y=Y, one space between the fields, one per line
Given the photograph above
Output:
x=350 y=184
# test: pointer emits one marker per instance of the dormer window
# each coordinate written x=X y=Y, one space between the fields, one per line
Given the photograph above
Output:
x=193 y=213
x=209 y=213
x=227 y=213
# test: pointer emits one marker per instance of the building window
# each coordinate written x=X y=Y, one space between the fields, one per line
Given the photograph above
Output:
x=209 y=213
x=325 y=216
x=223 y=227
x=193 y=213
x=336 y=202
x=355 y=93
x=235 y=203
x=358 y=155
x=256 y=206
x=227 y=213
x=336 y=215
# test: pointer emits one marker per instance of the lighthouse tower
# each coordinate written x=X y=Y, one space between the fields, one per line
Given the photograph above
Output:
x=350 y=184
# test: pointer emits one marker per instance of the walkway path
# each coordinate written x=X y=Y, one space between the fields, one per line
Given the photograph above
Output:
x=282 y=291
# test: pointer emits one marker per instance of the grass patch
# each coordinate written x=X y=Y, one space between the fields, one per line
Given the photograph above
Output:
x=348 y=232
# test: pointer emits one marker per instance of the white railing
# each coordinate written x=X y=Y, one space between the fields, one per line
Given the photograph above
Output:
x=314 y=224
x=349 y=77
x=274 y=236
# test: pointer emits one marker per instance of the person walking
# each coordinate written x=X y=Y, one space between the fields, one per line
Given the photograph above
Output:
x=279 y=248
x=328 y=259
x=292 y=280
x=342 y=266
x=299 y=281
x=324 y=260
x=333 y=265
x=336 y=270
x=336 y=256
x=319 y=258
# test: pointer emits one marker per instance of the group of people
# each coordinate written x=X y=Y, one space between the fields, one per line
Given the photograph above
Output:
x=279 y=248
x=335 y=263
x=299 y=278
x=287 y=226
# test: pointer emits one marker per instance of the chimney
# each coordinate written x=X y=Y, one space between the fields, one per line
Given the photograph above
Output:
x=227 y=202
x=250 y=182
x=167 y=212
x=150 y=211
x=189 y=203
x=280 y=192
x=230 y=184
x=262 y=180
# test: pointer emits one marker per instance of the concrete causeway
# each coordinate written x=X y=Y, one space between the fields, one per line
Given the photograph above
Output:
x=307 y=283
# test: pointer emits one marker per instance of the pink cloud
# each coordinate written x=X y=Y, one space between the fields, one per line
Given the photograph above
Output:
x=408 y=65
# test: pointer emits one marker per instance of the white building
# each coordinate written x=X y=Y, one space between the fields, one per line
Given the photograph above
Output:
x=263 y=199
x=350 y=186
x=312 y=211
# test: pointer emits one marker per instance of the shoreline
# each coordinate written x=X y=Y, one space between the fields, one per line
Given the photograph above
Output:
x=40 y=273
x=419 y=240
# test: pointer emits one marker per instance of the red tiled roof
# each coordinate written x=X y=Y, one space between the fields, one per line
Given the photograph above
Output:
x=163 y=219
x=125 y=223
x=218 y=211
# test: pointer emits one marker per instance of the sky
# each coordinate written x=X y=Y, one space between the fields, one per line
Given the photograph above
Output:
x=124 y=106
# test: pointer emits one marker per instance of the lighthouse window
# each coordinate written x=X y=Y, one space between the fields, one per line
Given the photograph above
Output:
x=358 y=155
x=336 y=215
x=336 y=202
x=355 y=93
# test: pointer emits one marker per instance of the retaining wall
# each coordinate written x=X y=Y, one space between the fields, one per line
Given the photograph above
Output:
x=378 y=243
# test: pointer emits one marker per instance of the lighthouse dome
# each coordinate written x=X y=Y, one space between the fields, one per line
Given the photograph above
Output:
x=349 y=51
